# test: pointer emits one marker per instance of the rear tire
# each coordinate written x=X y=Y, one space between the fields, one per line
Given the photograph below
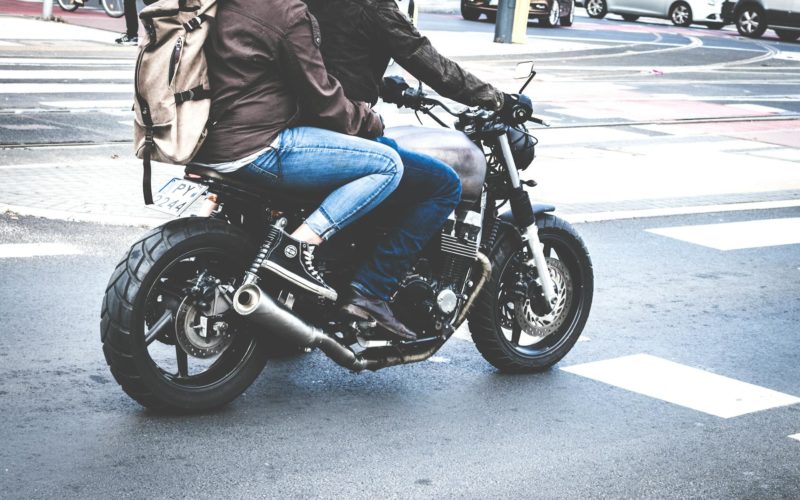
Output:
x=150 y=287
x=496 y=321
x=596 y=9
x=113 y=8
x=552 y=17
x=468 y=13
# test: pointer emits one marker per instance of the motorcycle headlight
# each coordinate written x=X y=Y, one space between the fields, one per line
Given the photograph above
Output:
x=523 y=147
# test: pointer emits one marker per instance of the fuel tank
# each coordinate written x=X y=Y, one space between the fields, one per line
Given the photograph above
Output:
x=453 y=148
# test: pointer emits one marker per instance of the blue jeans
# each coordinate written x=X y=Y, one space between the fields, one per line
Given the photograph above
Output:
x=429 y=191
x=358 y=173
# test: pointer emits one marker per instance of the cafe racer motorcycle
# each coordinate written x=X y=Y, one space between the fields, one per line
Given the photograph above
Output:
x=189 y=318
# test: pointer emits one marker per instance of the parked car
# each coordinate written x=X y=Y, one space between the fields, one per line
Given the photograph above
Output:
x=680 y=12
x=548 y=12
x=753 y=17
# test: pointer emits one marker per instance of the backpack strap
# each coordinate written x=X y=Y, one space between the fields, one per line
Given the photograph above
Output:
x=196 y=94
x=195 y=22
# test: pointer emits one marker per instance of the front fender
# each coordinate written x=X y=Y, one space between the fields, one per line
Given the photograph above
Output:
x=538 y=208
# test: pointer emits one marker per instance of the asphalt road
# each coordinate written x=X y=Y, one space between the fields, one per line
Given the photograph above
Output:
x=450 y=427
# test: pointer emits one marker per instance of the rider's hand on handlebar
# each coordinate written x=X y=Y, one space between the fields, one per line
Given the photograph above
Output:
x=517 y=109
x=392 y=89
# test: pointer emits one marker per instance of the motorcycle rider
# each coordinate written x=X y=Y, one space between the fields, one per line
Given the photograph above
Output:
x=266 y=71
x=359 y=39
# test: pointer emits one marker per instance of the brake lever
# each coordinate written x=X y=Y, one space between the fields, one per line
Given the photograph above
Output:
x=539 y=121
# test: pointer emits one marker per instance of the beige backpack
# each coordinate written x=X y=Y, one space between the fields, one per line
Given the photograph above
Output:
x=173 y=97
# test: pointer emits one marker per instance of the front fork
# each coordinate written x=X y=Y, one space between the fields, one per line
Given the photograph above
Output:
x=523 y=215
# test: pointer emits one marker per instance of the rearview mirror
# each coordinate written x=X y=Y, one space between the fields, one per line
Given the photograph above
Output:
x=523 y=70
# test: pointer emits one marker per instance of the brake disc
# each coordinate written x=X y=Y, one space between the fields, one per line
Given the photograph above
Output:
x=199 y=335
x=542 y=326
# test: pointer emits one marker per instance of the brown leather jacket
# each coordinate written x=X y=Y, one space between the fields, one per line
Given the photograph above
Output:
x=265 y=72
x=360 y=36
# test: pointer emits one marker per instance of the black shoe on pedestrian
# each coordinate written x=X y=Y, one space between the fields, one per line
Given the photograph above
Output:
x=293 y=260
x=128 y=40
x=373 y=309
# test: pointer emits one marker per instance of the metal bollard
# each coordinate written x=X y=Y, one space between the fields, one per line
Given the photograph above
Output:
x=512 y=21
x=47 y=10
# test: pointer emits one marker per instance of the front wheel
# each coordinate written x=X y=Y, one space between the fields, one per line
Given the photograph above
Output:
x=169 y=335
x=751 y=21
x=681 y=14
x=788 y=36
x=113 y=8
x=553 y=16
x=596 y=9
x=506 y=327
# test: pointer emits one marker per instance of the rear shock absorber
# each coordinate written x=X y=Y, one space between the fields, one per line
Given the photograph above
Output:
x=252 y=274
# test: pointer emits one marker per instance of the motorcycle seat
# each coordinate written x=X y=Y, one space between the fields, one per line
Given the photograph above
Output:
x=264 y=192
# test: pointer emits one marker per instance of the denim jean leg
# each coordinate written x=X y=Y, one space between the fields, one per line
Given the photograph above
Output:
x=429 y=191
x=353 y=175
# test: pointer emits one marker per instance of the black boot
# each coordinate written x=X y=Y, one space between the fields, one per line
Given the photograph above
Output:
x=373 y=309
x=293 y=260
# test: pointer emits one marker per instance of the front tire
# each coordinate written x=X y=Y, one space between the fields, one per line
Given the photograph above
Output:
x=168 y=345
x=113 y=8
x=597 y=9
x=468 y=13
x=681 y=14
x=569 y=18
x=552 y=17
x=500 y=314
x=68 y=5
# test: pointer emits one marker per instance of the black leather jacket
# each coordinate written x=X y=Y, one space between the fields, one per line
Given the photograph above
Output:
x=359 y=37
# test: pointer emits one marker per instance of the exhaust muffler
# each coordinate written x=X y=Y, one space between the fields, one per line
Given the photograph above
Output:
x=259 y=308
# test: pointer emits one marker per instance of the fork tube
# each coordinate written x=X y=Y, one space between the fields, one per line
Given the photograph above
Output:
x=530 y=233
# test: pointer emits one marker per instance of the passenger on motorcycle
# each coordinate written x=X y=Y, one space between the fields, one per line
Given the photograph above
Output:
x=360 y=37
x=266 y=72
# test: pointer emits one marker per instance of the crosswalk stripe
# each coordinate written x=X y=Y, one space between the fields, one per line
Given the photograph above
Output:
x=66 y=88
x=737 y=235
x=36 y=61
x=54 y=74
x=796 y=437
x=22 y=250
x=89 y=104
x=683 y=385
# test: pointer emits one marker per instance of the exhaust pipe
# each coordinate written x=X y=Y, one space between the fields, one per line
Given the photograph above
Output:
x=259 y=308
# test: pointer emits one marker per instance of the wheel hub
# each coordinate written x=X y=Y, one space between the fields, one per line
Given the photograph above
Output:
x=199 y=335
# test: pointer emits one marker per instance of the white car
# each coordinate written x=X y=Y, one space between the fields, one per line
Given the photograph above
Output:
x=680 y=12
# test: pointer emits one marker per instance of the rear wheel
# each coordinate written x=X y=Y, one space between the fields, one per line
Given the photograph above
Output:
x=169 y=335
x=788 y=36
x=596 y=9
x=469 y=13
x=68 y=5
x=751 y=21
x=505 y=325
x=681 y=14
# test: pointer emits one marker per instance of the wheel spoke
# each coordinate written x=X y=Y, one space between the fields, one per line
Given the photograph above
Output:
x=516 y=331
x=162 y=322
x=183 y=361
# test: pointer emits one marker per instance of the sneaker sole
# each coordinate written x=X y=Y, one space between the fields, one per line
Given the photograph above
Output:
x=302 y=283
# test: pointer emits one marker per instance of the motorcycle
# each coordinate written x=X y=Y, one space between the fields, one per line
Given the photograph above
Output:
x=190 y=318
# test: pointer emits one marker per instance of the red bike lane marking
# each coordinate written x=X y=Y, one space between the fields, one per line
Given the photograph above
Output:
x=88 y=16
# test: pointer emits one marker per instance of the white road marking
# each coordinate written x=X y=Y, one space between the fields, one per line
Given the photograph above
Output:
x=439 y=359
x=757 y=108
x=126 y=122
x=796 y=437
x=66 y=88
x=55 y=74
x=578 y=218
x=737 y=235
x=89 y=104
x=27 y=127
x=43 y=61
x=21 y=250
x=682 y=385
x=5 y=43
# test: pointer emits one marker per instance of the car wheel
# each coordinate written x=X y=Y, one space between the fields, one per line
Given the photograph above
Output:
x=751 y=21
x=569 y=18
x=553 y=16
x=681 y=14
x=788 y=36
x=596 y=9
x=629 y=17
x=468 y=13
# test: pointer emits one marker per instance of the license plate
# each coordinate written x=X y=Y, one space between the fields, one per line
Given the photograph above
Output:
x=177 y=195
